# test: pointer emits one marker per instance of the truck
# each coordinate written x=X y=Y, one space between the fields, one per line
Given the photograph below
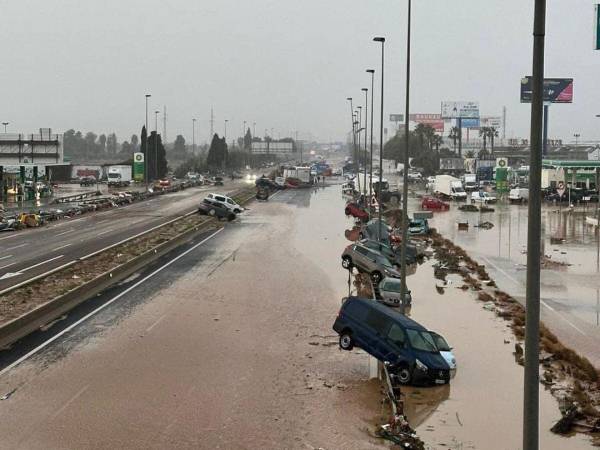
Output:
x=119 y=175
x=470 y=182
x=518 y=195
x=303 y=174
x=449 y=187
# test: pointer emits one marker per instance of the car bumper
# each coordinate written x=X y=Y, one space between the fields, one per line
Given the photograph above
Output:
x=431 y=376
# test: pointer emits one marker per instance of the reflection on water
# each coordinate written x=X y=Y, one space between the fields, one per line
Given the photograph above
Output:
x=421 y=403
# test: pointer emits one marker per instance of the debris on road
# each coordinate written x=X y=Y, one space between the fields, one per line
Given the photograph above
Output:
x=485 y=225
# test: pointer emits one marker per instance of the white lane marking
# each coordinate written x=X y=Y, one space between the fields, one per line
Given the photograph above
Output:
x=8 y=237
x=16 y=246
x=501 y=271
x=71 y=400
x=65 y=232
x=155 y=323
x=43 y=262
x=8 y=265
x=104 y=232
x=62 y=246
x=100 y=308
x=76 y=220
x=7 y=256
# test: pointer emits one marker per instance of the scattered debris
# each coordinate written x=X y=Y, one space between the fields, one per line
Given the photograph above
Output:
x=468 y=208
x=399 y=432
x=8 y=394
x=485 y=225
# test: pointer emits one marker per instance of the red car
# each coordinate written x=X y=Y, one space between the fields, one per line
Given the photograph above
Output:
x=352 y=209
x=434 y=203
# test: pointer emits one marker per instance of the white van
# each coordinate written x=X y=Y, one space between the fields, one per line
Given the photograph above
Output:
x=227 y=202
x=518 y=195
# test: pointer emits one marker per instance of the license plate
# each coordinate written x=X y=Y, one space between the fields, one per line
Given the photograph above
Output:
x=440 y=381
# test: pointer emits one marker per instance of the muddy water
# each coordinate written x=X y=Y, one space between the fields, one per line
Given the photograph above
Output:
x=481 y=409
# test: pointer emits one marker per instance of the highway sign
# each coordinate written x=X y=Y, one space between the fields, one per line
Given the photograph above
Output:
x=556 y=90
x=396 y=117
x=455 y=110
x=469 y=123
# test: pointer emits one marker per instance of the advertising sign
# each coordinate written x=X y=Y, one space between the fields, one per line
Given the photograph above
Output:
x=452 y=164
x=138 y=166
x=454 y=110
x=489 y=121
x=501 y=162
x=435 y=121
x=396 y=117
x=469 y=123
x=501 y=179
x=556 y=90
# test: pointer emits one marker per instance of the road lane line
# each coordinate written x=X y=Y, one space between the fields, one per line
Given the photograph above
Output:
x=104 y=232
x=501 y=271
x=71 y=400
x=8 y=265
x=16 y=246
x=155 y=323
x=62 y=246
x=7 y=256
x=65 y=232
x=43 y=262
x=8 y=237
x=108 y=303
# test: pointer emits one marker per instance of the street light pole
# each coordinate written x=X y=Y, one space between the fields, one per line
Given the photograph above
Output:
x=366 y=91
x=146 y=159
x=225 y=135
x=382 y=40
x=372 y=72
x=353 y=128
x=532 y=302
x=194 y=136
x=576 y=136
x=5 y=125
x=156 y=143
x=406 y=144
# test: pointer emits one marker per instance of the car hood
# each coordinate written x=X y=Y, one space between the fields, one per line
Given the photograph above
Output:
x=434 y=361
x=449 y=358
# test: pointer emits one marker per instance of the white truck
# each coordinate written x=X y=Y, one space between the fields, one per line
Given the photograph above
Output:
x=470 y=182
x=450 y=187
x=119 y=175
x=518 y=195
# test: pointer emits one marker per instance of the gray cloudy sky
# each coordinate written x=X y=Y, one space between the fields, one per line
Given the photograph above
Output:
x=286 y=65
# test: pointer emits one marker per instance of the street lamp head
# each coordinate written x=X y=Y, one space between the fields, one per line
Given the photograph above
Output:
x=379 y=39
x=148 y=95
x=364 y=89
x=350 y=99
x=370 y=70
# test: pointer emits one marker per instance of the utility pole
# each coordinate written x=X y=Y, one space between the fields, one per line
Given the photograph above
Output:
x=406 y=144
x=146 y=159
x=503 y=125
x=165 y=125
x=156 y=113
x=212 y=125
x=382 y=40
x=372 y=72
x=532 y=302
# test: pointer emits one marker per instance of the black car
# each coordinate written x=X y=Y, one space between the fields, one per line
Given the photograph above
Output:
x=408 y=347
x=215 y=209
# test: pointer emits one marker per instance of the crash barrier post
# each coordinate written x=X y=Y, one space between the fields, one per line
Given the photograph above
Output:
x=390 y=390
x=373 y=367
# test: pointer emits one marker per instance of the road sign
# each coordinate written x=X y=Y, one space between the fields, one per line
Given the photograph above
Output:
x=396 y=117
x=501 y=162
x=455 y=110
x=560 y=188
x=556 y=90
x=597 y=27
x=469 y=123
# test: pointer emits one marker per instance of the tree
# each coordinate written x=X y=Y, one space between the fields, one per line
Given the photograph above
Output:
x=217 y=153
x=436 y=141
x=111 y=144
x=134 y=142
x=470 y=154
x=454 y=132
x=144 y=147
x=102 y=142
x=179 y=150
x=483 y=132
x=126 y=149
x=248 y=140
x=157 y=157
x=492 y=133
x=90 y=144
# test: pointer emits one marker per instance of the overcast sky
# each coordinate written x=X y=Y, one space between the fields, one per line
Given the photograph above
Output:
x=286 y=65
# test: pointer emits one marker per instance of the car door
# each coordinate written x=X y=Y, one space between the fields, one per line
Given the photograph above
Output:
x=361 y=257
x=396 y=346
x=378 y=324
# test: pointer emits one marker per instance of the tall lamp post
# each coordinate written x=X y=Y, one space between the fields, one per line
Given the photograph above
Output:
x=576 y=136
x=146 y=145
x=366 y=91
x=382 y=40
x=353 y=128
x=193 y=136
x=372 y=72
x=406 y=144
x=532 y=294
x=5 y=125
x=225 y=134
x=156 y=113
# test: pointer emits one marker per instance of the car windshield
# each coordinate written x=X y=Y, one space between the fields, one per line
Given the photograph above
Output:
x=421 y=340
x=440 y=343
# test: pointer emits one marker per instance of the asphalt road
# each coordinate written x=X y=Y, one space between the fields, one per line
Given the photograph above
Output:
x=224 y=343
x=28 y=253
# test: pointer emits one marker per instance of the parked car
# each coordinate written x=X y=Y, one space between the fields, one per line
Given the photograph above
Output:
x=371 y=231
x=393 y=255
x=392 y=338
x=210 y=207
x=446 y=352
x=226 y=202
x=218 y=181
x=482 y=197
x=354 y=210
x=434 y=203
x=370 y=261
x=389 y=290
x=418 y=227
x=518 y=195
x=87 y=181
x=414 y=176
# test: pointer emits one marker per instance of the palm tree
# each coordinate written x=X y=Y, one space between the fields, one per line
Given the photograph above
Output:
x=454 y=131
x=420 y=132
x=492 y=133
x=436 y=141
x=470 y=154
x=429 y=134
x=483 y=132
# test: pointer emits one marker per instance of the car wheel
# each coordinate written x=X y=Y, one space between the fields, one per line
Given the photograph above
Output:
x=347 y=211
x=212 y=212
x=346 y=341
x=237 y=210
x=376 y=276
x=361 y=236
x=347 y=262
x=230 y=217
x=404 y=375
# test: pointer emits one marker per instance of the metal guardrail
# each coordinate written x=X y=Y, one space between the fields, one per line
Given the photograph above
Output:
x=45 y=313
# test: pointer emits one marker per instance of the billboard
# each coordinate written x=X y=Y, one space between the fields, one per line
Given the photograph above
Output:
x=433 y=120
x=275 y=148
x=469 y=123
x=396 y=117
x=452 y=164
x=465 y=110
x=556 y=90
x=138 y=166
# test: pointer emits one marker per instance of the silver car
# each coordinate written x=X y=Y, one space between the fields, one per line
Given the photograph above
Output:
x=389 y=290
x=369 y=261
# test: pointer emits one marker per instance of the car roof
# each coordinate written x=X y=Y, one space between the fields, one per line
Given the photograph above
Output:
x=401 y=318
